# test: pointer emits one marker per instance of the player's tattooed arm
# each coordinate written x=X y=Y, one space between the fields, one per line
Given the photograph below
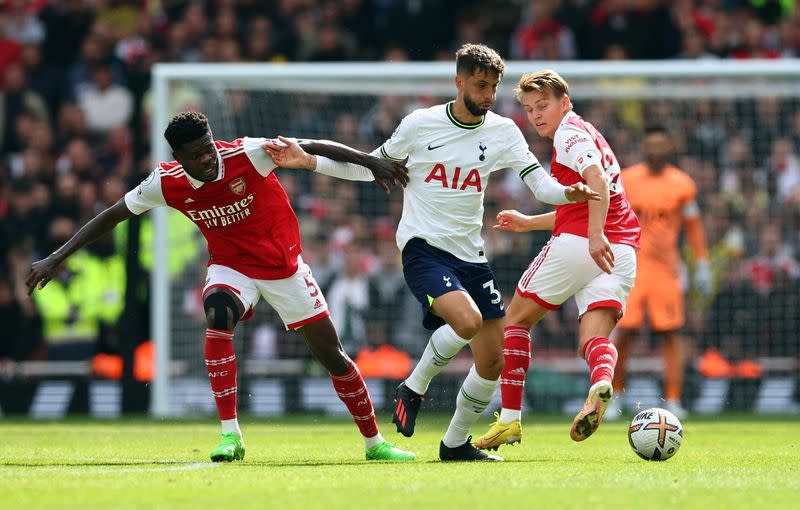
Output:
x=291 y=153
x=42 y=271
x=515 y=221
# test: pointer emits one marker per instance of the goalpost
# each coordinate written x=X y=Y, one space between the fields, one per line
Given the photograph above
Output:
x=730 y=118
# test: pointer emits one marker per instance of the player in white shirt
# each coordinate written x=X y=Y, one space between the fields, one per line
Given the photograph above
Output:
x=450 y=150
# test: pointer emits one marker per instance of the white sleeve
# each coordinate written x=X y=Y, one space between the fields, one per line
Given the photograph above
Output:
x=521 y=159
x=146 y=195
x=349 y=171
x=517 y=155
x=258 y=156
x=545 y=188
x=575 y=149
x=399 y=145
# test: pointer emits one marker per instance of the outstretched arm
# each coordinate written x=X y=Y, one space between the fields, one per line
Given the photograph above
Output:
x=548 y=190
x=327 y=157
x=42 y=271
x=514 y=221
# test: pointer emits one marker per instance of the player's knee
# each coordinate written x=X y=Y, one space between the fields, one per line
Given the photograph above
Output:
x=221 y=309
x=468 y=324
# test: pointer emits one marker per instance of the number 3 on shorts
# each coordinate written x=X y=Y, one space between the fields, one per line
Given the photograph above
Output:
x=496 y=298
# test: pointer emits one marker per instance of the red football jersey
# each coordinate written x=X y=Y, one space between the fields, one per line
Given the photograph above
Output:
x=577 y=145
x=244 y=214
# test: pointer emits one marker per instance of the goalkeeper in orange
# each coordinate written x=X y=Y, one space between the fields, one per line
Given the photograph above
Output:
x=657 y=293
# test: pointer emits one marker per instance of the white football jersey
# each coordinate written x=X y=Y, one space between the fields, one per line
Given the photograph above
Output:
x=449 y=163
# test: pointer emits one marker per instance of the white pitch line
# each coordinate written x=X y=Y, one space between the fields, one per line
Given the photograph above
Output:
x=89 y=470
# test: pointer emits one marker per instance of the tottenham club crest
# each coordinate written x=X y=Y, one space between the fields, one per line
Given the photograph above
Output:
x=238 y=186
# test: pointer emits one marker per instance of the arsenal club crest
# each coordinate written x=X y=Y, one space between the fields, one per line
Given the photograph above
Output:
x=238 y=186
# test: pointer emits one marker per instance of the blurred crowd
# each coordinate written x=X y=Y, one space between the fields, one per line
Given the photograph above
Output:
x=74 y=136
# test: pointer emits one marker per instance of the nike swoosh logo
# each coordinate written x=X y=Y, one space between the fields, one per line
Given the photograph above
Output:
x=492 y=438
x=434 y=147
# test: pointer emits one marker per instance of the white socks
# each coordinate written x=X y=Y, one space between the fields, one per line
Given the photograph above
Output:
x=442 y=347
x=474 y=396
x=229 y=426
x=509 y=415
x=369 y=442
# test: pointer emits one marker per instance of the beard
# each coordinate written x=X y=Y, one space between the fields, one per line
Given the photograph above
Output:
x=473 y=107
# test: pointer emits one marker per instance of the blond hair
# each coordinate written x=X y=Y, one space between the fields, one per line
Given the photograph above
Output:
x=542 y=81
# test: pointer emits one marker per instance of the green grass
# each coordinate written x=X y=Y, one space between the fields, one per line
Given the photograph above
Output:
x=312 y=462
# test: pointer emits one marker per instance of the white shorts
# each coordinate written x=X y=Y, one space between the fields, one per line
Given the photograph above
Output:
x=564 y=269
x=297 y=299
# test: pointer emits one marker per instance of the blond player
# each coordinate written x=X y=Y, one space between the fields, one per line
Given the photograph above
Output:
x=657 y=292
x=591 y=256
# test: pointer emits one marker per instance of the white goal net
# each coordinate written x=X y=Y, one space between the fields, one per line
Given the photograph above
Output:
x=737 y=132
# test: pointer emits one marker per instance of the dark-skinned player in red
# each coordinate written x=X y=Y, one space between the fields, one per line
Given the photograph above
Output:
x=229 y=190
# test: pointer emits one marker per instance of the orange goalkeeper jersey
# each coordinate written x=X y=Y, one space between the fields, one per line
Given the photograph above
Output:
x=659 y=201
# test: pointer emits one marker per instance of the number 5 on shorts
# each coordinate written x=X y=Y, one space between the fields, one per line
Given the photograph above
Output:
x=310 y=283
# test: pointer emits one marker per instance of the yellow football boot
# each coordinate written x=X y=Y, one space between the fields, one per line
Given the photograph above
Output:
x=499 y=434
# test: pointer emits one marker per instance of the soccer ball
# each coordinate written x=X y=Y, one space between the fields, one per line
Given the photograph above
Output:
x=655 y=434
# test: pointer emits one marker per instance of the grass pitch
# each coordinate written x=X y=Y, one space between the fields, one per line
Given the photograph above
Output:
x=313 y=462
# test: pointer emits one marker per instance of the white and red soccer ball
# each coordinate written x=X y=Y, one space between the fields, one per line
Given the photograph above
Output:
x=655 y=434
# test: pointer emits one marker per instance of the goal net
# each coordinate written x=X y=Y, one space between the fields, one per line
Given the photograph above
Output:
x=736 y=127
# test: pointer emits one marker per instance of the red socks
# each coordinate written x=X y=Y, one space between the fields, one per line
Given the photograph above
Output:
x=601 y=356
x=517 y=355
x=353 y=392
x=221 y=365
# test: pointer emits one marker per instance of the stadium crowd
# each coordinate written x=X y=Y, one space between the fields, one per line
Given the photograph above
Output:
x=74 y=136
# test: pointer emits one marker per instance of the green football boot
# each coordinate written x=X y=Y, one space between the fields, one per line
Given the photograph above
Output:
x=387 y=451
x=230 y=448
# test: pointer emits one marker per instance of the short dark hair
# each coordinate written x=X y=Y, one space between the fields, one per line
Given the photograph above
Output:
x=186 y=127
x=472 y=58
x=652 y=129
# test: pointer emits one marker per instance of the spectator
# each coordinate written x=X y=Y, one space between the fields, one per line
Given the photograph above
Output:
x=23 y=26
x=784 y=171
x=753 y=43
x=22 y=331
x=15 y=99
x=67 y=310
x=348 y=300
x=10 y=49
x=387 y=288
x=105 y=104
x=379 y=358
x=695 y=46
x=541 y=37
x=43 y=79
x=773 y=262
